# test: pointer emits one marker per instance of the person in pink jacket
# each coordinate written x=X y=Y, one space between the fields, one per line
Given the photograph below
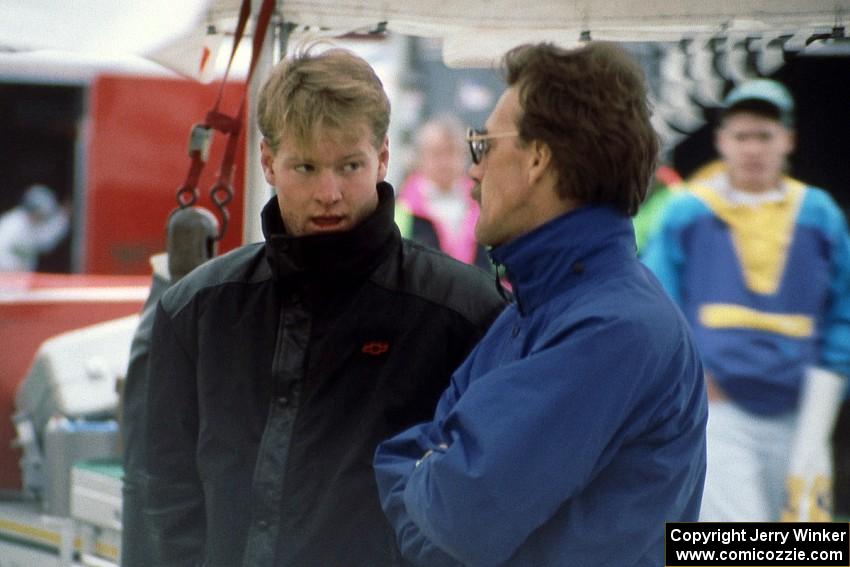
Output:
x=438 y=190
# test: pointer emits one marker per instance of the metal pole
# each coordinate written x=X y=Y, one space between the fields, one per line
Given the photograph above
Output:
x=257 y=191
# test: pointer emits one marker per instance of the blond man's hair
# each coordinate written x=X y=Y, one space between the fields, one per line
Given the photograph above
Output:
x=313 y=89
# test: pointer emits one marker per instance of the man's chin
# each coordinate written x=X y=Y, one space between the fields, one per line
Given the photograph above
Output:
x=485 y=239
x=755 y=183
x=324 y=231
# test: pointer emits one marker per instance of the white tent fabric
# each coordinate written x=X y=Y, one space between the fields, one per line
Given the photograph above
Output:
x=475 y=32
x=107 y=27
x=612 y=19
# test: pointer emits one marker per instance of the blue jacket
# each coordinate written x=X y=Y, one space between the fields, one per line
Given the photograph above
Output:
x=574 y=429
x=766 y=288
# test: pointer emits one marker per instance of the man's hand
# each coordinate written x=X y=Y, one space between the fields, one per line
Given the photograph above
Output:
x=429 y=452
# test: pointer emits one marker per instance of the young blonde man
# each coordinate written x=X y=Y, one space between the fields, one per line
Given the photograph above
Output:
x=276 y=369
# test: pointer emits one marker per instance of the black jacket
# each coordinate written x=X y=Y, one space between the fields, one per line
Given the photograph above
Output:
x=276 y=369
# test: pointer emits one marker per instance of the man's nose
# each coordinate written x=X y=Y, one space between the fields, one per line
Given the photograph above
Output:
x=752 y=144
x=329 y=189
x=474 y=171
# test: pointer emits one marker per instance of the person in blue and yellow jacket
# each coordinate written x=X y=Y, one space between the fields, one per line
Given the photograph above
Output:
x=760 y=265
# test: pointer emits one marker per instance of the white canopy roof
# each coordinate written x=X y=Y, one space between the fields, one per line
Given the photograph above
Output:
x=474 y=31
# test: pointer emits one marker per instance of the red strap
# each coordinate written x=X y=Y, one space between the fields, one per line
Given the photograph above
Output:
x=222 y=191
x=262 y=26
x=244 y=14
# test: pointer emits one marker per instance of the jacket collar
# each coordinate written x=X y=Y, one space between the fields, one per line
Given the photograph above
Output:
x=335 y=257
x=548 y=260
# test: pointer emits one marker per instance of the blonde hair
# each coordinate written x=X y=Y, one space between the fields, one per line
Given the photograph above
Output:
x=332 y=88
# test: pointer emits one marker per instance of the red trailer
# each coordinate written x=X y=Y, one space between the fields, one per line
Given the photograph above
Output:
x=134 y=136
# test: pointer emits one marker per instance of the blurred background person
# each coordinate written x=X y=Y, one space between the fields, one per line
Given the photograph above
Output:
x=34 y=227
x=665 y=183
x=760 y=265
x=438 y=191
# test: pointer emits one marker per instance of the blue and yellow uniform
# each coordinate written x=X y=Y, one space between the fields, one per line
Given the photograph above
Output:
x=765 y=287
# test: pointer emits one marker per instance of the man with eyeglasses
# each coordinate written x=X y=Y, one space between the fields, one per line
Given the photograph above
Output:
x=576 y=428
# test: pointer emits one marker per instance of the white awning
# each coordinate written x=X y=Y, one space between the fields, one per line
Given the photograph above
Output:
x=475 y=32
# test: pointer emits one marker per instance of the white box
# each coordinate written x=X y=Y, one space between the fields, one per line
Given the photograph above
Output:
x=96 y=493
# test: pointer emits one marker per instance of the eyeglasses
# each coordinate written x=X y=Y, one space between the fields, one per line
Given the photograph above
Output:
x=479 y=142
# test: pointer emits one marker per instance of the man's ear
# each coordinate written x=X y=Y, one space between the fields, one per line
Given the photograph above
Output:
x=539 y=162
x=266 y=161
x=383 y=159
x=792 y=140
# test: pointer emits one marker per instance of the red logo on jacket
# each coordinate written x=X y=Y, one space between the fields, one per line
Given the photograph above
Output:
x=375 y=348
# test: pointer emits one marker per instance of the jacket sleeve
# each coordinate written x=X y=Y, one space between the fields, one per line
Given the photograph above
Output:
x=135 y=541
x=835 y=354
x=174 y=510
x=499 y=477
x=663 y=253
x=395 y=460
